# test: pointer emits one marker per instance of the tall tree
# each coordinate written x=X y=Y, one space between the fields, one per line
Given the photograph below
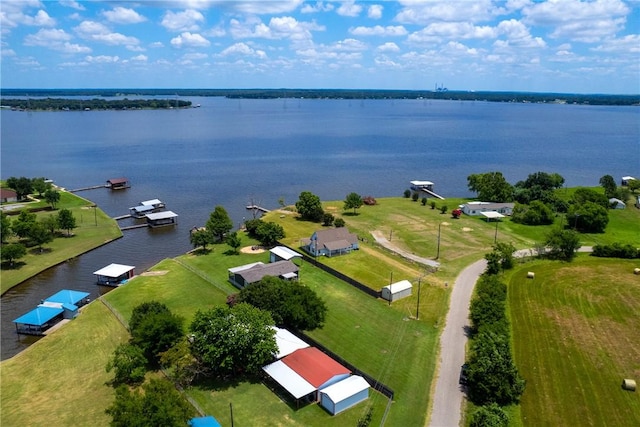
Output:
x=23 y=223
x=491 y=187
x=11 y=252
x=234 y=241
x=219 y=223
x=5 y=226
x=154 y=328
x=128 y=364
x=200 y=237
x=52 y=197
x=39 y=235
x=562 y=243
x=22 y=186
x=66 y=220
x=40 y=185
x=353 y=201
x=233 y=341
x=609 y=184
x=269 y=233
x=309 y=207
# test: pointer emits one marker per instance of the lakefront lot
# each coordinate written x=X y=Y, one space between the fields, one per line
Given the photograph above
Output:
x=66 y=369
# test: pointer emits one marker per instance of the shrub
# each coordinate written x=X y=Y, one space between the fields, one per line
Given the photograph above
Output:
x=616 y=250
x=407 y=193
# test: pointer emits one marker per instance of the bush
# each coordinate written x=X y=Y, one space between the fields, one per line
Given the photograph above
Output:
x=339 y=222
x=154 y=329
x=407 y=193
x=616 y=250
x=415 y=197
x=489 y=416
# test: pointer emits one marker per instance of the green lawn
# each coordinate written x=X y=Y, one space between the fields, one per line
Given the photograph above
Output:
x=94 y=228
x=576 y=333
x=61 y=379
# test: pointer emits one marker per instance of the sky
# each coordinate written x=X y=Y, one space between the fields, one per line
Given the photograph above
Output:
x=566 y=46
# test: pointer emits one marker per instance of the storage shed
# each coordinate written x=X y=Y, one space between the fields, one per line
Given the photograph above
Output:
x=396 y=290
x=114 y=274
x=617 y=203
x=344 y=394
x=282 y=253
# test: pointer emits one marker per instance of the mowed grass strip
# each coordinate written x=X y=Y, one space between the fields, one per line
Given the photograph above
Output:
x=61 y=379
x=94 y=228
x=576 y=334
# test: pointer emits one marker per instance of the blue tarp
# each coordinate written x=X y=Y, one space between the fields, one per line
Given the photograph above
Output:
x=67 y=296
x=204 y=422
x=39 y=316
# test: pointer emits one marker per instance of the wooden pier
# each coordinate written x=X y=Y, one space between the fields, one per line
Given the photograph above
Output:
x=132 y=227
x=93 y=187
x=257 y=208
x=118 y=218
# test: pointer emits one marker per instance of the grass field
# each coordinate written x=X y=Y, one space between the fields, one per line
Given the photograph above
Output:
x=576 y=334
x=63 y=375
x=94 y=228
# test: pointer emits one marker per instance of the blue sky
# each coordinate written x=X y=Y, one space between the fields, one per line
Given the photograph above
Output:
x=540 y=46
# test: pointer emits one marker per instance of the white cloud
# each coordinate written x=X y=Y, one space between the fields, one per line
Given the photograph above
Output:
x=440 y=31
x=577 y=20
x=272 y=7
x=95 y=31
x=156 y=45
x=375 y=11
x=378 y=30
x=317 y=7
x=218 y=31
x=349 y=8
x=350 y=45
x=102 y=59
x=187 y=39
x=188 y=20
x=122 y=15
x=67 y=47
x=420 y=12
x=388 y=47
x=629 y=44
x=72 y=4
x=278 y=28
x=7 y=52
x=243 y=49
x=194 y=56
x=11 y=17
x=140 y=58
x=46 y=37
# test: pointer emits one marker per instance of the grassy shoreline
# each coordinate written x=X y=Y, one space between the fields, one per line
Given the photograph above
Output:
x=94 y=229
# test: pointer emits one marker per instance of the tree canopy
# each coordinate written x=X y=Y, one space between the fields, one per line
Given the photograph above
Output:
x=233 y=341
x=66 y=220
x=23 y=186
x=353 y=201
x=219 y=223
x=269 y=233
x=562 y=243
x=490 y=187
x=291 y=304
x=609 y=184
x=154 y=328
x=309 y=207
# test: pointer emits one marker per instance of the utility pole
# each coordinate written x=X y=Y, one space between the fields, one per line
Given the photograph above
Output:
x=418 y=305
x=495 y=237
x=438 y=253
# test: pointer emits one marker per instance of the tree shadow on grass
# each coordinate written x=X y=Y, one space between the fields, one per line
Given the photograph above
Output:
x=222 y=384
x=201 y=251
x=40 y=251
x=16 y=265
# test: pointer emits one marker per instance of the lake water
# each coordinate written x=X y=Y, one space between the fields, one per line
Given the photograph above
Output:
x=237 y=152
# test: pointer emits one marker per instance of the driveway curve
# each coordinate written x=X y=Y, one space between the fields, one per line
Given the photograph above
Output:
x=448 y=394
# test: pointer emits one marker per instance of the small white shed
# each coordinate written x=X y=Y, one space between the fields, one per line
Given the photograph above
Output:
x=344 y=394
x=396 y=290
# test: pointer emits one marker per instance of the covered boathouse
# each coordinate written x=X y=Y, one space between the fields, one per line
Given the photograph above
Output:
x=118 y=183
x=114 y=274
x=61 y=305
x=161 y=219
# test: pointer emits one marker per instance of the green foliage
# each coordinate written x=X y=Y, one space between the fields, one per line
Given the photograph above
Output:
x=353 y=201
x=609 y=184
x=415 y=196
x=487 y=308
x=506 y=251
x=365 y=420
x=407 y=193
x=535 y=213
x=588 y=217
x=251 y=225
x=432 y=204
x=179 y=364
x=339 y=222
x=616 y=250
x=154 y=329
x=159 y=405
x=129 y=365
x=582 y=195
x=268 y=233
x=219 y=223
x=23 y=223
x=328 y=219
x=490 y=187
x=50 y=222
x=233 y=341
x=423 y=201
x=11 y=252
x=492 y=374
x=66 y=220
x=443 y=209
x=234 y=241
x=22 y=186
x=539 y=186
x=490 y=415
x=562 y=244
x=291 y=305
x=200 y=237
x=52 y=197
x=39 y=235
x=40 y=185
x=309 y=207
x=5 y=226
x=633 y=185
x=493 y=262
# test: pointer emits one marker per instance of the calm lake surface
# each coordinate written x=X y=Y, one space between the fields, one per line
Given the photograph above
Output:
x=237 y=152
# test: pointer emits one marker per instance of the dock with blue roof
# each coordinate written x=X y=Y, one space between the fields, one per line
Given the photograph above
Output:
x=59 y=306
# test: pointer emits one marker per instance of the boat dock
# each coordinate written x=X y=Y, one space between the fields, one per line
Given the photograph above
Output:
x=425 y=187
x=93 y=187
x=118 y=218
x=257 y=208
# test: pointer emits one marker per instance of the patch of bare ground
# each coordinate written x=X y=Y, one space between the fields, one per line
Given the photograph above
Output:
x=252 y=250
x=155 y=273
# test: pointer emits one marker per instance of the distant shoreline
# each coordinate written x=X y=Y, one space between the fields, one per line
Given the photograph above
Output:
x=440 y=94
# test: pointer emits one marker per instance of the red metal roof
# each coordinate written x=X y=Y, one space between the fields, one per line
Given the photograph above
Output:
x=5 y=193
x=117 y=180
x=314 y=366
